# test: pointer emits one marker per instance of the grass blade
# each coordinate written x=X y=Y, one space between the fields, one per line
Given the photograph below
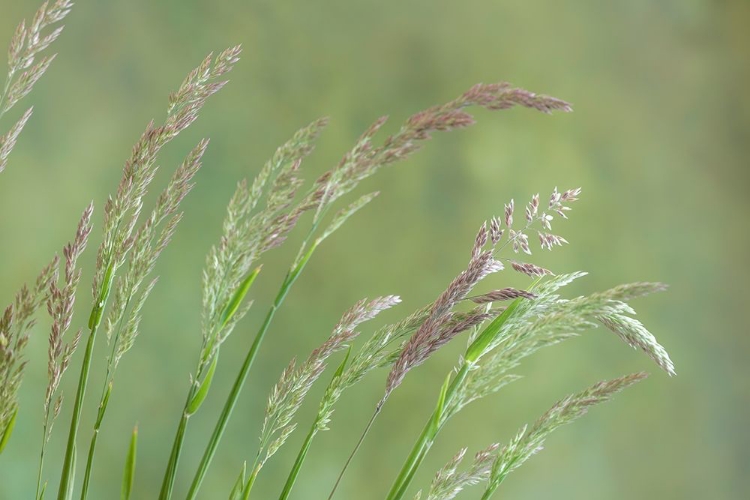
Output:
x=129 y=472
x=236 y=493
x=202 y=392
x=8 y=431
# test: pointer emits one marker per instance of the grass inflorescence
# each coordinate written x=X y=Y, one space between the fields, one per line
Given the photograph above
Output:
x=501 y=327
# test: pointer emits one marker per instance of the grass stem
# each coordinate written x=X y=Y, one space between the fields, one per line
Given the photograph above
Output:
x=68 y=472
x=239 y=382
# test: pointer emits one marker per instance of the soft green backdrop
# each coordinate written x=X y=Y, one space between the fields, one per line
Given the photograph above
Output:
x=658 y=141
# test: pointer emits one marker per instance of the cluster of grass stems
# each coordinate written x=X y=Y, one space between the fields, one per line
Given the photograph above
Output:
x=501 y=327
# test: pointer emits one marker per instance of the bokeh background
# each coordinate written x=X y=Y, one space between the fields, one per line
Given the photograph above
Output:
x=658 y=141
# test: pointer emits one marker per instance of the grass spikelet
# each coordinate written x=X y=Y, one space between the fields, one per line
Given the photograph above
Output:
x=501 y=295
x=633 y=333
x=449 y=481
x=8 y=140
x=433 y=334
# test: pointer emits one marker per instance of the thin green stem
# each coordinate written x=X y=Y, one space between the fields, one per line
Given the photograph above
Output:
x=169 y=475
x=89 y=462
x=239 y=382
x=426 y=438
x=41 y=456
x=68 y=474
x=292 y=478
x=356 y=448
x=103 y=403
x=236 y=389
x=251 y=481
x=97 y=425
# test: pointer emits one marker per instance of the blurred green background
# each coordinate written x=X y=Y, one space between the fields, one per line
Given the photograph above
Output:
x=658 y=141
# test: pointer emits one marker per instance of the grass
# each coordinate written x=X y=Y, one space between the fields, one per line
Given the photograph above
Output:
x=502 y=326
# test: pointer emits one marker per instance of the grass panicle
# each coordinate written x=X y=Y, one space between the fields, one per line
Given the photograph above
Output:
x=24 y=70
x=525 y=326
x=449 y=481
x=435 y=331
x=249 y=230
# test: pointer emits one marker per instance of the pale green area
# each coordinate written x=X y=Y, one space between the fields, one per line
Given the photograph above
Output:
x=658 y=141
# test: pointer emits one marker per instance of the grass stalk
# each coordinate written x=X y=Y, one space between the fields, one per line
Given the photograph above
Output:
x=427 y=437
x=92 y=445
x=169 y=475
x=300 y=262
x=239 y=382
x=355 y=450
x=294 y=472
x=68 y=472
x=41 y=458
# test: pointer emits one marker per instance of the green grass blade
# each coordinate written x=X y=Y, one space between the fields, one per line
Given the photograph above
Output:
x=236 y=493
x=238 y=297
x=8 y=431
x=302 y=454
x=129 y=473
x=427 y=437
x=92 y=445
x=202 y=392
x=239 y=382
x=68 y=471
x=174 y=457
